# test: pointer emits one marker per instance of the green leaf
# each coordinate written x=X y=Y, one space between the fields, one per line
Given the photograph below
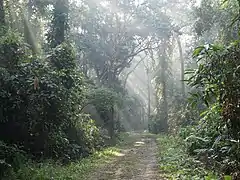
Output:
x=216 y=47
x=224 y=4
x=210 y=178
x=197 y=51
x=196 y=137
x=227 y=177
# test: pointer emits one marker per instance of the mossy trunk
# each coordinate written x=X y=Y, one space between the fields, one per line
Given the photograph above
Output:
x=163 y=102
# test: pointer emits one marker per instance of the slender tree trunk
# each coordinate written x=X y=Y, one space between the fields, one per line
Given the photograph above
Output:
x=2 y=13
x=149 y=94
x=182 y=65
x=164 y=108
x=142 y=117
x=111 y=125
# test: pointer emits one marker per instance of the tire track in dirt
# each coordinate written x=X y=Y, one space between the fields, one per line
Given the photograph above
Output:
x=137 y=162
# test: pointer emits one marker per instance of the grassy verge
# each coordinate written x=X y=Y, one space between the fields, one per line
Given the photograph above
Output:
x=73 y=171
x=175 y=164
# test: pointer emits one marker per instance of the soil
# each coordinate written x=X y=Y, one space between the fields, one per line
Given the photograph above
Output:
x=137 y=161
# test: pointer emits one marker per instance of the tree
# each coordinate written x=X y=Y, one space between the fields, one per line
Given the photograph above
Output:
x=160 y=32
x=59 y=27
x=115 y=45
x=2 y=13
x=161 y=88
x=214 y=19
x=182 y=65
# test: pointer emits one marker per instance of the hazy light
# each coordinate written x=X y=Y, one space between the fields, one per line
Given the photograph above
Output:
x=104 y=4
x=198 y=3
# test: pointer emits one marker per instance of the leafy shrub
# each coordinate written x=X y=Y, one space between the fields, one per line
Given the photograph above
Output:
x=156 y=124
x=40 y=108
x=62 y=57
x=175 y=163
x=106 y=102
x=11 y=158
x=217 y=79
x=152 y=124
x=205 y=132
x=12 y=50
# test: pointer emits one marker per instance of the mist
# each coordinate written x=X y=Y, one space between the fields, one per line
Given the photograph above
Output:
x=119 y=89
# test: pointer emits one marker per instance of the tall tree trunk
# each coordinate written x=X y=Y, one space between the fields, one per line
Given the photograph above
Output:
x=182 y=65
x=59 y=28
x=163 y=100
x=2 y=13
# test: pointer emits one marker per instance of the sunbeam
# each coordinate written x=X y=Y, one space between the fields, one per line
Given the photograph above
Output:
x=119 y=89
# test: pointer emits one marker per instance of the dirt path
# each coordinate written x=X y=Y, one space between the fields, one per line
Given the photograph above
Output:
x=135 y=162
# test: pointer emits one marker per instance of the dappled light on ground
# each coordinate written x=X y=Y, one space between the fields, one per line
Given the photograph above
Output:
x=139 y=144
x=136 y=161
x=118 y=154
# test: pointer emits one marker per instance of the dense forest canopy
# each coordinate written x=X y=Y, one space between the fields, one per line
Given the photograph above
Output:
x=74 y=74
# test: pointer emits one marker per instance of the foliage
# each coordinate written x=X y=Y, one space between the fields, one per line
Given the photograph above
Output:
x=43 y=94
x=80 y=169
x=87 y=47
x=133 y=110
x=218 y=75
x=104 y=99
x=10 y=157
x=152 y=124
x=206 y=131
x=115 y=45
x=175 y=163
x=217 y=19
x=217 y=79
x=59 y=25
x=214 y=139
x=74 y=170
x=107 y=103
x=40 y=105
x=63 y=57
x=13 y=51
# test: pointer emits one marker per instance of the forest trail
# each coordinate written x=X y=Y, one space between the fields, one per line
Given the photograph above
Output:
x=136 y=161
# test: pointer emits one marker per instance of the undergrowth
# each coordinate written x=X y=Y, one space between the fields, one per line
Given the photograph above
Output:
x=80 y=170
x=176 y=164
x=74 y=171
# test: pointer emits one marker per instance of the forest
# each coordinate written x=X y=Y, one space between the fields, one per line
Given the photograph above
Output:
x=119 y=89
